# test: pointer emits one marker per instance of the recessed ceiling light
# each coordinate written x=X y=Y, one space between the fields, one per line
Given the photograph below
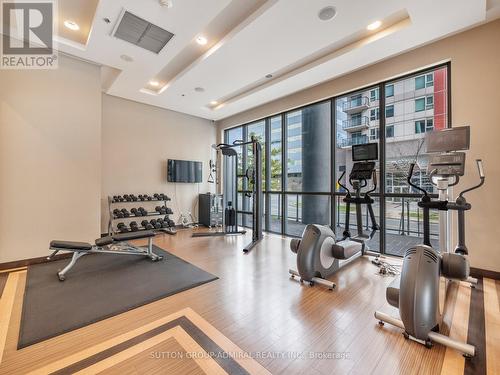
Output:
x=199 y=89
x=327 y=13
x=126 y=58
x=71 y=25
x=201 y=40
x=374 y=26
x=154 y=83
x=214 y=102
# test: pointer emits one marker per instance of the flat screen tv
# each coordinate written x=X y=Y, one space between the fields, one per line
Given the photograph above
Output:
x=184 y=171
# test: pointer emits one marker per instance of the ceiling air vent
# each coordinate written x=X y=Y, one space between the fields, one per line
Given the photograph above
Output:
x=142 y=33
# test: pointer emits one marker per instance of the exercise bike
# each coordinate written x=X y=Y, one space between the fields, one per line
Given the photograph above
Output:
x=319 y=254
x=416 y=293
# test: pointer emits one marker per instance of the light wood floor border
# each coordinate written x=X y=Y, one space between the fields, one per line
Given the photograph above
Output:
x=454 y=362
x=492 y=325
x=6 y=306
x=14 y=270
x=222 y=341
x=69 y=360
x=205 y=362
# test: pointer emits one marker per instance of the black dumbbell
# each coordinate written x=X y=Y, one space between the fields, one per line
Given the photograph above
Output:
x=122 y=228
x=146 y=225
x=155 y=224
x=161 y=209
x=133 y=226
x=156 y=196
x=117 y=213
x=133 y=198
x=135 y=212
x=164 y=197
x=141 y=197
x=169 y=221
x=148 y=197
x=168 y=211
x=164 y=224
x=126 y=197
x=143 y=211
x=125 y=212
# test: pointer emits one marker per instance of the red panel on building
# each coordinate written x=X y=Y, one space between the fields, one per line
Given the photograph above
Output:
x=440 y=99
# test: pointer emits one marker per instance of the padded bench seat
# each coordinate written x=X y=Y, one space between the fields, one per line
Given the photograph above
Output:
x=346 y=249
x=71 y=245
x=84 y=246
x=133 y=235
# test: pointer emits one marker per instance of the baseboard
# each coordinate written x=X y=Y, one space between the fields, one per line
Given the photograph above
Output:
x=479 y=272
x=31 y=261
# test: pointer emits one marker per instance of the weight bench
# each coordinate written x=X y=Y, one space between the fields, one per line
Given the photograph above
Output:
x=116 y=244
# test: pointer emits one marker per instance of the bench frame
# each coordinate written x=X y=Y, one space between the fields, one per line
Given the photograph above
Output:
x=115 y=247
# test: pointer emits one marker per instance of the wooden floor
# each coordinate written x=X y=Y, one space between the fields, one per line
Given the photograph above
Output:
x=255 y=308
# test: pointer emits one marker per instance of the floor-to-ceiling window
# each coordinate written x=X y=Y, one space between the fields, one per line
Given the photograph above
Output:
x=273 y=196
x=307 y=149
x=355 y=123
x=308 y=171
x=420 y=104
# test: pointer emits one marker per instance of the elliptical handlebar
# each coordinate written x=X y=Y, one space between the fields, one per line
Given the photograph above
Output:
x=340 y=183
x=374 y=178
x=456 y=179
x=480 y=169
x=482 y=177
x=408 y=179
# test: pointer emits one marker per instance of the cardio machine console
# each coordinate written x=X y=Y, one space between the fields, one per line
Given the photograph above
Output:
x=362 y=155
x=362 y=170
x=447 y=164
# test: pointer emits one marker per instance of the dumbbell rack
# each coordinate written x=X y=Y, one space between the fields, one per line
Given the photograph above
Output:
x=114 y=204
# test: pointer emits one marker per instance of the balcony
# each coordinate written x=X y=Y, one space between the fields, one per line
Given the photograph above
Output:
x=356 y=105
x=348 y=142
x=356 y=123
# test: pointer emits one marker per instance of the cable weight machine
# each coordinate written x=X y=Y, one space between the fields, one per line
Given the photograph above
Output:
x=231 y=178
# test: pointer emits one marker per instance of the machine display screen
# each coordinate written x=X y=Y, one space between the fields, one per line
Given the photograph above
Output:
x=367 y=151
x=454 y=139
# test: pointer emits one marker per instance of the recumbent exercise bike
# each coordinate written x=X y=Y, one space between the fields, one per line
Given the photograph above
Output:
x=319 y=254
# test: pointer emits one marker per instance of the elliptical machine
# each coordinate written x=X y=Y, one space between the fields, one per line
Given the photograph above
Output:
x=416 y=292
x=319 y=255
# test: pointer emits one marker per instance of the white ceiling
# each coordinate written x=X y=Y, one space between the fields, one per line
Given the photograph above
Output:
x=250 y=39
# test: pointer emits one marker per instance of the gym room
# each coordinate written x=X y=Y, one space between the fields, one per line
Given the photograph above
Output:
x=249 y=187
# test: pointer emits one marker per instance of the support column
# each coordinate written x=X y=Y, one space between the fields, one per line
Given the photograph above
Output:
x=316 y=168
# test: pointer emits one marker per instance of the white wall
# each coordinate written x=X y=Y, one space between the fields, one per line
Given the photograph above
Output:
x=137 y=140
x=50 y=157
